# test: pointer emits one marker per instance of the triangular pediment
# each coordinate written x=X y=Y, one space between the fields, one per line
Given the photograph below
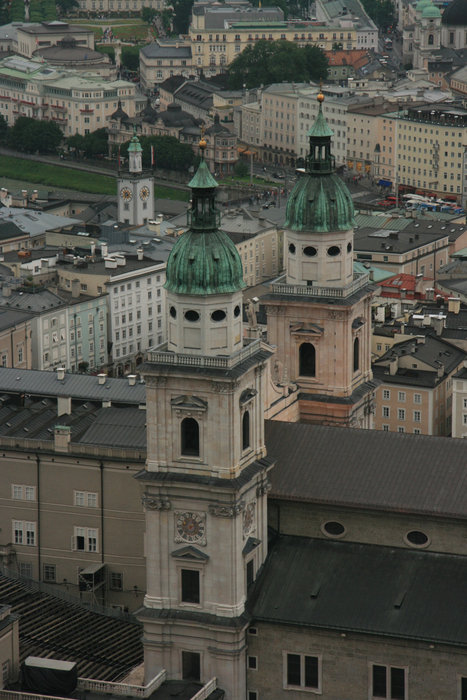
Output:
x=190 y=553
x=308 y=328
x=189 y=402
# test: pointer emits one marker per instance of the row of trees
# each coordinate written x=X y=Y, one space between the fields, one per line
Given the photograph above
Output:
x=267 y=62
x=382 y=12
x=33 y=136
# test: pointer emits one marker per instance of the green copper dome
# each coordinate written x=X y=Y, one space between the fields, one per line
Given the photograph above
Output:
x=320 y=201
x=134 y=143
x=204 y=260
x=421 y=4
x=431 y=12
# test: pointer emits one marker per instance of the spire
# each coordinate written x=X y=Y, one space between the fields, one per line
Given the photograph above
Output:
x=320 y=160
x=203 y=213
x=135 y=155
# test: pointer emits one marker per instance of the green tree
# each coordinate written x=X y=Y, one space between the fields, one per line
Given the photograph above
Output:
x=130 y=57
x=169 y=153
x=17 y=11
x=3 y=129
x=109 y=50
x=66 y=6
x=268 y=62
x=148 y=14
x=382 y=12
x=241 y=169
x=31 y=136
x=181 y=15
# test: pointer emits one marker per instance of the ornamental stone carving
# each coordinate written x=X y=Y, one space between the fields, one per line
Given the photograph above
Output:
x=155 y=503
x=221 y=387
x=263 y=488
x=231 y=510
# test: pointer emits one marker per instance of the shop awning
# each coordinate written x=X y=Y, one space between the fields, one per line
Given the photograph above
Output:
x=384 y=183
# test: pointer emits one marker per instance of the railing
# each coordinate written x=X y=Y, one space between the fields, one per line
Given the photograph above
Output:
x=206 y=691
x=132 y=691
x=162 y=356
x=339 y=292
x=17 y=695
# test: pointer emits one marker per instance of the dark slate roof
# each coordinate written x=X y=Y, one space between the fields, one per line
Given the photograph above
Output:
x=175 y=116
x=371 y=240
x=10 y=230
x=119 y=427
x=36 y=303
x=172 y=84
x=52 y=627
x=12 y=317
x=156 y=50
x=455 y=14
x=364 y=588
x=396 y=472
x=78 y=386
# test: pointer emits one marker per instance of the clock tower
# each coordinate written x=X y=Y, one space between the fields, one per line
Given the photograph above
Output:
x=135 y=188
x=206 y=479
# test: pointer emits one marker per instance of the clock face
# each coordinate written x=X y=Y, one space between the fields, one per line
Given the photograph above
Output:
x=190 y=527
x=249 y=519
x=126 y=194
x=144 y=193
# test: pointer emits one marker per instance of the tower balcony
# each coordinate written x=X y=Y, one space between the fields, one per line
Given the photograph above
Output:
x=162 y=356
x=359 y=281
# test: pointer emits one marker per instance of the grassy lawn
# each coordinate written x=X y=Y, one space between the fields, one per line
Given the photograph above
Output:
x=66 y=178
x=125 y=29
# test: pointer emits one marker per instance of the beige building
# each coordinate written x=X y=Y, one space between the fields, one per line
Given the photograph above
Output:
x=15 y=339
x=31 y=37
x=9 y=646
x=415 y=391
x=459 y=403
x=77 y=103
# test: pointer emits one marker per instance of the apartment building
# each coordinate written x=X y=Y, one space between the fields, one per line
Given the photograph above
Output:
x=349 y=13
x=77 y=103
x=119 y=6
x=415 y=391
x=15 y=339
x=163 y=59
x=31 y=37
x=67 y=330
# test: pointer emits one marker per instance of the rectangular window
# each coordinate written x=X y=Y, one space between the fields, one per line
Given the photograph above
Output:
x=191 y=666
x=21 y=492
x=190 y=586
x=301 y=671
x=85 y=498
x=50 y=573
x=25 y=569
x=401 y=396
x=85 y=539
x=388 y=682
x=385 y=411
x=417 y=398
x=116 y=581
x=386 y=394
x=463 y=689
x=253 y=663
x=24 y=533
x=417 y=416
x=401 y=413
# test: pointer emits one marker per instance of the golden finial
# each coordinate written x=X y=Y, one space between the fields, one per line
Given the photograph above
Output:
x=320 y=96
x=202 y=143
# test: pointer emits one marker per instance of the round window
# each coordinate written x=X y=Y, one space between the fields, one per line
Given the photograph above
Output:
x=173 y=312
x=218 y=315
x=191 y=315
x=334 y=250
x=237 y=311
x=292 y=248
x=417 y=538
x=310 y=251
x=333 y=528
x=349 y=247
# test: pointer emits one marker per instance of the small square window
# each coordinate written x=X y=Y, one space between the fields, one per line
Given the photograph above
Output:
x=50 y=573
x=253 y=663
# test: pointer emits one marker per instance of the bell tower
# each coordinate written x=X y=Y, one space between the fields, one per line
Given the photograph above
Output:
x=319 y=314
x=135 y=188
x=206 y=477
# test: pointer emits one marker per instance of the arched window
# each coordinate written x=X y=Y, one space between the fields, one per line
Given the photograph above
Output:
x=356 y=355
x=307 y=360
x=431 y=40
x=246 y=430
x=190 y=437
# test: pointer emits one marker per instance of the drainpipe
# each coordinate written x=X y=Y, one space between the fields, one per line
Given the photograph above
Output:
x=38 y=495
x=101 y=467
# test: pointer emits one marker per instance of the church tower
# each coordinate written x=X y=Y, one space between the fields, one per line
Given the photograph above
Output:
x=135 y=188
x=206 y=477
x=319 y=317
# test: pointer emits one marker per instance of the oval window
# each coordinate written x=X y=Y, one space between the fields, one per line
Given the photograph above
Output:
x=333 y=251
x=237 y=311
x=218 y=315
x=349 y=247
x=310 y=251
x=417 y=538
x=173 y=312
x=191 y=315
x=333 y=528
x=291 y=248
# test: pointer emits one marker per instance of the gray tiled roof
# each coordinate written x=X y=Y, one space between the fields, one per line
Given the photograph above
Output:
x=78 y=386
x=156 y=51
x=364 y=588
x=368 y=468
x=119 y=427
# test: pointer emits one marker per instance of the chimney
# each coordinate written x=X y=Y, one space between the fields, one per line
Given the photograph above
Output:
x=420 y=339
x=106 y=403
x=419 y=284
x=75 y=288
x=440 y=371
x=34 y=196
x=60 y=373
x=62 y=438
x=438 y=323
x=454 y=305
x=104 y=250
x=102 y=378
x=110 y=263
x=121 y=260
x=93 y=248
x=132 y=379
x=430 y=293
x=140 y=253
x=63 y=405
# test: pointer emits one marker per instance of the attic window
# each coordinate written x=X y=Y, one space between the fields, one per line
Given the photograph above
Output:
x=310 y=251
x=218 y=315
x=191 y=315
x=333 y=251
x=332 y=528
x=417 y=538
